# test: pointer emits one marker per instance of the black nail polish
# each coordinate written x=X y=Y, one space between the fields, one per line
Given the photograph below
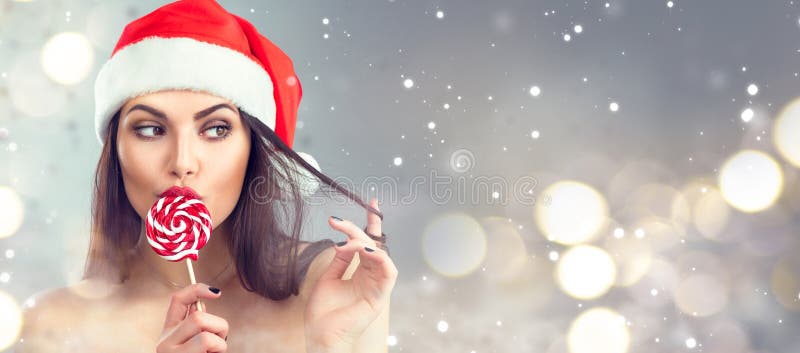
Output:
x=341 y=243
x=367 y=248
x=214 y=290
x=336 y=218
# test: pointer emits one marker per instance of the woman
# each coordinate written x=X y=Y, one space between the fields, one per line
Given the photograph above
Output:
x=195 y=97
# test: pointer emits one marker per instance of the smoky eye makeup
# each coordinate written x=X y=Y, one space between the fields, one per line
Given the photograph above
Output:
x=219 y=129
x=217 y=126
x=147 y=131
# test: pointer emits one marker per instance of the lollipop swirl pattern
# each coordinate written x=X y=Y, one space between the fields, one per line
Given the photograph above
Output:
x=178 y=227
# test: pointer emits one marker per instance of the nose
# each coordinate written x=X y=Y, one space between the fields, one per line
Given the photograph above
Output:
x=183 y=162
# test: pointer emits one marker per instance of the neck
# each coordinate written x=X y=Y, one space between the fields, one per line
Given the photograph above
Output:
x=214 y=265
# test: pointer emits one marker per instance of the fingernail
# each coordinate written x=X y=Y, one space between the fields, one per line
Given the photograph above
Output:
x=341 y=243
x=214 y=290
x=336 y=218
x=367 y=248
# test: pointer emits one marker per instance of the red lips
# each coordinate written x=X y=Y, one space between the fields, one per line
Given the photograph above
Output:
x=184 y=191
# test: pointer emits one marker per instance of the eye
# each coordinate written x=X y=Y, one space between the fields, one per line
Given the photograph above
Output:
x=147 y=130
x=219 y=131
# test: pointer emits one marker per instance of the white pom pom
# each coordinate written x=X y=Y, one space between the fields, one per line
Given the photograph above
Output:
x=308 y=183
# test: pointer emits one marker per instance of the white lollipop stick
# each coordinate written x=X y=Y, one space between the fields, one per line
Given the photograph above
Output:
x=191 y=277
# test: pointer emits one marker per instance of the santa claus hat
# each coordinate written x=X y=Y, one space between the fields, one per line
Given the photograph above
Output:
x=198 y=45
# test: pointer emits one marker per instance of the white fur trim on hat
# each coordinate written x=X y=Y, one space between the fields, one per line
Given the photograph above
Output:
x=156 y=64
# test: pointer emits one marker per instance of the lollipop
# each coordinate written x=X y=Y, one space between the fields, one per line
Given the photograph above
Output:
x=178 y=226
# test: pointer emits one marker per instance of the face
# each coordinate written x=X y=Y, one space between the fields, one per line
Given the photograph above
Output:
x=183 y=138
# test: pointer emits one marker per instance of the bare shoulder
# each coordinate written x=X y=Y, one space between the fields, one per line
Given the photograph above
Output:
x=49 y=316
x=56 y=305
x=44 y=317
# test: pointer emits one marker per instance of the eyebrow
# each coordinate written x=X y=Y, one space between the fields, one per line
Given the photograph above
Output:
x=197 y=116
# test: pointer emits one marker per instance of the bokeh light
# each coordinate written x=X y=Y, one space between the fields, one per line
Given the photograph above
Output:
x=785 y=281
x=585 y=272
x=643 y=327
x=27 y=83
x=751 y=181
x=12 y=212
x=632 y=257
x=102 y=24
x=67 y=58
x=661 y=233
x=454 y=244
x=10 y=320
x=747 y=115
x=506 y=256
x=786 y=132
x=629 y=177
x=598 y=330
x=656 y=287
x=701 y=295
x=631 y=245
x=573 y=214
x=728 y=337
x=710 y=213
x=660 y=200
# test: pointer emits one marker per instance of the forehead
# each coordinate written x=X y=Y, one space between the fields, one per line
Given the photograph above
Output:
x=176 y=100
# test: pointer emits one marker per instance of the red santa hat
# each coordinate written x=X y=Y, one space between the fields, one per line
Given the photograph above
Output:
x=197 y=45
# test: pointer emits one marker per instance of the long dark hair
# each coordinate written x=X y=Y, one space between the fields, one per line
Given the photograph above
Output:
x=265 y=225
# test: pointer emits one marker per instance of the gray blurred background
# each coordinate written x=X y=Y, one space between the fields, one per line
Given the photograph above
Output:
x=556 y=176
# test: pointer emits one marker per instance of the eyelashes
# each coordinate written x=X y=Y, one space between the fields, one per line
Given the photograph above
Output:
x=152 y=129
x=139 y=130
x=223 y=126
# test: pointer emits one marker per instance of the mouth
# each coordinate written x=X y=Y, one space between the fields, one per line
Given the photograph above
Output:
x=184 y=191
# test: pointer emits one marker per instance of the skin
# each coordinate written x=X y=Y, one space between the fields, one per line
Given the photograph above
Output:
x=343 y=304
x=209 y=155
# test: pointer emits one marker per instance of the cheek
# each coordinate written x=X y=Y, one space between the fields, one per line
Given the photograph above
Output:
x=228 y=177
x=138 y=178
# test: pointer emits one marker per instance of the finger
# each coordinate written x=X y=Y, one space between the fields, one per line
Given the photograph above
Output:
x=197 y=323
x=192 y=308
x=377 y=262
x=205 y=342
x=373 y=221
x=353 y=231
x=344 y=256
x=181 y=300
x=375 y=276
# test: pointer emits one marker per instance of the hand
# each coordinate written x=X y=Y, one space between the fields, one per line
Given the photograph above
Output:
x=189 y=330
x=339 y=311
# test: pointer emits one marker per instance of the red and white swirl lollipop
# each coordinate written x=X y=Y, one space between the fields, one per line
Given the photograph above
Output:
x=178 y=226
